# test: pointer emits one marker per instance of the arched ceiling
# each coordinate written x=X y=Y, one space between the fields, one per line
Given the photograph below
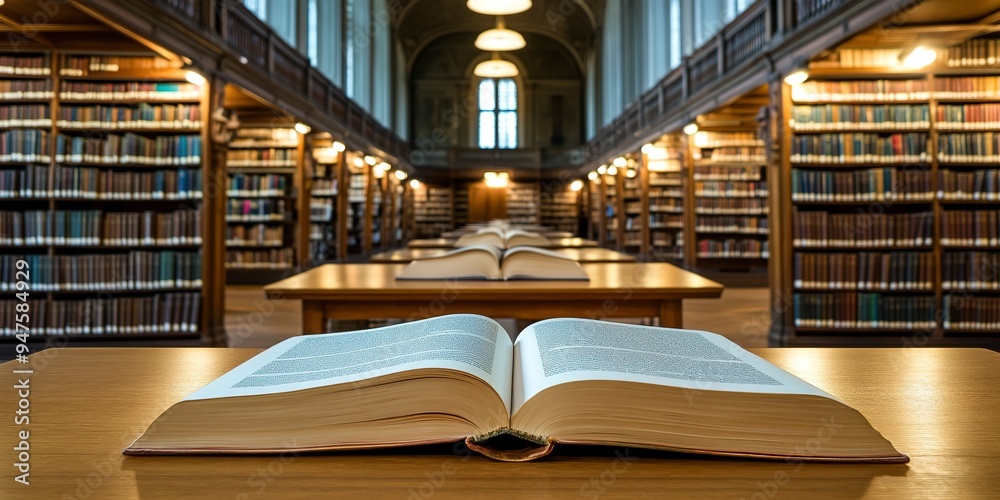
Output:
x=549 y=26
x=452 y=56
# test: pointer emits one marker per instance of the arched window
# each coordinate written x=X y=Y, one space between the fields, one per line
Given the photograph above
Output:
x=497 y=113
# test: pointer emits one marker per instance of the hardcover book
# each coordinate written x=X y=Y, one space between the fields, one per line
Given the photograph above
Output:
x=460 y=378
x=488 y=262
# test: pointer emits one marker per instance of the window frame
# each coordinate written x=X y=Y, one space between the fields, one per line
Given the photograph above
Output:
x=496 y=111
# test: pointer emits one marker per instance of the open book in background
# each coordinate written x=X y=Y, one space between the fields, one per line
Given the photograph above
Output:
x=502 y=238
x=490 y=263
x=459 y=377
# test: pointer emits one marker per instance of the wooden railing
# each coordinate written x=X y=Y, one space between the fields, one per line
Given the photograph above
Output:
x=807 y=10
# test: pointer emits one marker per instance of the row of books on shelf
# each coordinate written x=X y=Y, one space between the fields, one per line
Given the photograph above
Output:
x=734 y=248
x=730 y=173
x=324 y=187
x=883 y=271
x=665 y=220
x=25 y=115
x=130 y=148
x=960 y=87
x=863 y=116
x=264 y=157
x=982 y=147
x=730 y=224
x=267 y=137
x=864 y=310
x=175 y=313
x=37 y=181
x=24 y=145
x=971 y=313
x=873 y=184
x=726 y=189
x=730 y=206
x=81 y=65
x=129 y=91
x=13 y=90
x=277 y=258
x=255 y=235
x=257 y=185
x=861 y=230
x=726 y=140
x=860 y=147
x=31 y=65
x=970 y=271
x=137 y=270
x=139 y=116
x=665 y=192
x=967 y=116
x=662 y=242
x=733 y=154
x=666 y=205
x=974 y=53
x=974 y=228
x=255 y=210
x=976 y=185
x=93 y=227
x=321 y=210
x=665 y=179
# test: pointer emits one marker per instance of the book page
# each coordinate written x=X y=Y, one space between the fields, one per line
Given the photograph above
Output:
x=536 y=250
x=473 y=344
x=463 y=263
x=558 y=351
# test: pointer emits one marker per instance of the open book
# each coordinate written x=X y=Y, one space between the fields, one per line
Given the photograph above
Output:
x=491 y=263
x=500 y=238
x=459 y=377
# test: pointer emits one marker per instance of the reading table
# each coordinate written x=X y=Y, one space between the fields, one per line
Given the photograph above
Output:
x=86 y=404
x=615 y=290
x=587 y=254
x=450 y=243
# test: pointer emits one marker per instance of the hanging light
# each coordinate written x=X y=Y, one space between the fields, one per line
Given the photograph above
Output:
x=191 y=76
x=415 y=184
x=576 y=185
x=401 y=175
x=603 y=169
x=619 y=162
x=592 y=175
x=691 y=128
x=498 y=7
x=499 y=39
x=339 y=146
x=302 y=128
x=647 y=148
x=612 y=170
x=495 y=68
x=385 y=167
x=797 y=77
x=630 y=173
x=371 y=160
x=918 y=57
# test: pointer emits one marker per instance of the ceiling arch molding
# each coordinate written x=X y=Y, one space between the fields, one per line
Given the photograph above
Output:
x=461 y=28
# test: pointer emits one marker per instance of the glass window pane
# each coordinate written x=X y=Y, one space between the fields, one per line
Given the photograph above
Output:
x=313 y=42
x=487 y=130
x=508 y=94
x=487 y=94
x=508 y=129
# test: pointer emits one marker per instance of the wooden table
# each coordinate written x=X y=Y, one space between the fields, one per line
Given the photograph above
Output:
x=587 y=254
x=450 y=243
x=458 y=233
x=939 y=406
x=615 y=290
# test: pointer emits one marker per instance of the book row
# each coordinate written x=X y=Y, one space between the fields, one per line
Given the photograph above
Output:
x=730 y=224
x=25 y=65
x=675 y=205
x=257 y=185
x=130 y=148
x=726 y=139
x=37 y=181
x=730 y=206
x=278 y=258
x=977 y=185
x=92 y=227
x=733 y=248
x=968 y=87
x=982 y=147
x=264 y=157
x=976 y=228
x=860 y=148
x=25 y=89
x=864 y=310
x=971 y=313
x=735 y=154
x=726 y=189
x=666 y=192
x=665 y=179
x=324 y=187
x=255 y=210
x=968 y=116
x=260 y=135
x=863 y=116
x=974 y=53
x=255 y=235
x=861 y=90
x=862 y=230
x=25 y=115
x=970 y=271
x=731 y=173
x=884 y=271
x=874 y=184
x=139 y=116
x=129 y=91
x=99 y=273
x=321 y=210
x=661 y=240
x=162 y=313
x=24 y=145
x=76 y=65
x=663 y=221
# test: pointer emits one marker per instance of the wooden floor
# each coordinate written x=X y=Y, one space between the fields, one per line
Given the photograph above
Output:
x=741 y=315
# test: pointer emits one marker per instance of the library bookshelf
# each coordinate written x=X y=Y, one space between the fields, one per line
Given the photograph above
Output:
x=891 y=198
x=327 y=229
x=104 y=167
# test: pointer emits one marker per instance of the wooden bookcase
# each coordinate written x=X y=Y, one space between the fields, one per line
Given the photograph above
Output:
x=105 y=166
x=433 y=210
x=935 y=280
x=559 y=206
x=327 y=238
x=664 y=180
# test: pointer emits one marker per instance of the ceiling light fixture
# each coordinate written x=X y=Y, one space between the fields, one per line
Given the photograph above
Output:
x=498 y=7
x=630 y=173
x=603 y=169
x=691 y=128
x=576 y=185
x=612 y=170
x=195 y=78
x=619 y=162
x=647 y=148
x=371 y=160
x=495 y=68
x=496 y=179
x=415 y=184
x=302 y=128
x=339 y=146
x=499 y=39
x=592 y=175
x=797 y=77
x=917 y=57
x=401 y=175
